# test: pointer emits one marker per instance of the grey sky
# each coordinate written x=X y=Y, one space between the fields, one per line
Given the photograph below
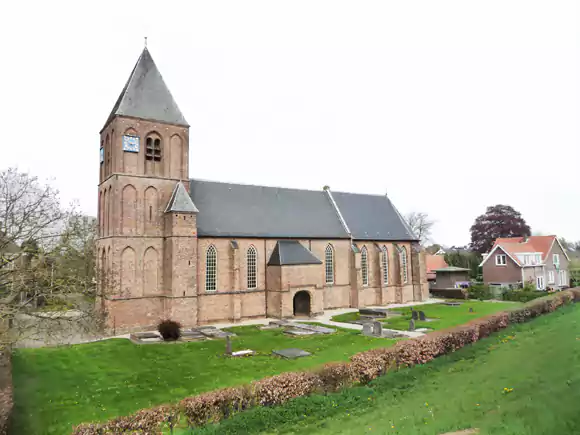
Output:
x=449 y=106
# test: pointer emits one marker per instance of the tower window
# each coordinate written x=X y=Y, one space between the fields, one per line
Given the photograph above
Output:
x=153 y=149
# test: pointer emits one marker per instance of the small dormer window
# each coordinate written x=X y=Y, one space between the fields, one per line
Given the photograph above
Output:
x=153 y=149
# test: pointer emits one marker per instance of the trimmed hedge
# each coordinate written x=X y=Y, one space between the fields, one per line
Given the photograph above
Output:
x=363 y=367
x=6 y=400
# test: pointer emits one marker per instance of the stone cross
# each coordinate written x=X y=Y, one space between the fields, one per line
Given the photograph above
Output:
x=228 y=345
x=422 y=316
x=412 y=325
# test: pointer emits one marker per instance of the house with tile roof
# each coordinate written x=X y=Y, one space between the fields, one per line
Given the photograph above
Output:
x=199 y=251
x=539 y=260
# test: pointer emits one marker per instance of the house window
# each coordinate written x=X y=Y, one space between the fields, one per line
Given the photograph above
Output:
x=329 y=264
x=563 y=278
x=538 y=258
x=540 y=282
x=551 y=277
x=404 y=271
x=500 y=260
x=556 y=259
x=364 y=265
x=252 y=263
x=211 y=269
x=385 y=264
x=153 y=149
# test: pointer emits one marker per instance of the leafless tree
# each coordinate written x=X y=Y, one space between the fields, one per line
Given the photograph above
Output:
x=47 y=260
x=421 y=225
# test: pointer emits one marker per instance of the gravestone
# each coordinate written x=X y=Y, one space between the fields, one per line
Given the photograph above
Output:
x=228 y=345
x=367 y=329
x=452 y=304
x=414 y=315
x=299 y=332
x=471 y=309
x=291 y=353
x=422 y=316
x=377 y=329
x=412 y=325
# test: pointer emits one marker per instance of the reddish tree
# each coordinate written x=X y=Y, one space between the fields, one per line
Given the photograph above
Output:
x=498 y=221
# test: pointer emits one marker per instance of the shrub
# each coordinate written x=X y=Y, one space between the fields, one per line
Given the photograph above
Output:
x=169 y=329
x=216 y=405
x=480 y=291
x=371 y=364
x=6 y=402
x=522 y=295
x=146 y=421
x=278 y=389
x=335 y=376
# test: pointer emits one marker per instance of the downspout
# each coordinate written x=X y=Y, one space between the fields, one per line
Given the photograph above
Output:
x=265 y=279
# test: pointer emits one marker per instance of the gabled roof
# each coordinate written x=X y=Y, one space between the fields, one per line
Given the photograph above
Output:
x=146 y=95
x=291 y=253
x=433 y=262
x=237 y=210
x=180 y=201
x=372 y=217
x=520 y=245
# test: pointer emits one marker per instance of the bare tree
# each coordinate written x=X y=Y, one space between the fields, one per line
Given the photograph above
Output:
x=47 y=260
x=421 y=225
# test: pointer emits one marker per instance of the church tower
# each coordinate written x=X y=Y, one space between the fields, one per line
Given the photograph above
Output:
x=147 y=243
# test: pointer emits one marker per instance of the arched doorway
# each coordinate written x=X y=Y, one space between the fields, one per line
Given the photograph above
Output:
x=302 y=303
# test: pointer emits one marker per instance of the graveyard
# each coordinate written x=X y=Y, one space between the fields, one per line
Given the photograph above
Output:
x=437 y=316
x=504 y=384
x=61 y=386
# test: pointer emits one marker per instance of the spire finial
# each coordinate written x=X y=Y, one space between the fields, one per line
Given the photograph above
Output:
x=146 y=42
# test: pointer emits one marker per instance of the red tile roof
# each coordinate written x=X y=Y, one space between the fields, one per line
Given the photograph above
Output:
x=433 y=262
x=518 y=245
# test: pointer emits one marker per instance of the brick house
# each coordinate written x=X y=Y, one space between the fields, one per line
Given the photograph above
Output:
x=540 y=260
x=201 y=251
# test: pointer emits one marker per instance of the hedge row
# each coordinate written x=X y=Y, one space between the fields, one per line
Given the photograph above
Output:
x=362 y=368
x=6 y=402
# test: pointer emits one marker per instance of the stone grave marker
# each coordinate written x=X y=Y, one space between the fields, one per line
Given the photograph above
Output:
x=422 y=316
x=367 y=329
x=377 y=329
x=412 y=325
x=471 y=309
x=452 y=304
x=299 y=332
x=414 y=315
x=291 y=353
x=228 y=345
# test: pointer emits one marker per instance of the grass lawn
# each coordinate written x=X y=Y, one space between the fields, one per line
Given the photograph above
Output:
x=537 y=362
x=58 y=387
x=445 y=316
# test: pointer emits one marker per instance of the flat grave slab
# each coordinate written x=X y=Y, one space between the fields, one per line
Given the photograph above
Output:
x=452 y=304
x=144 y=335
x=299 y=332
x=240 y=353
x=291 y=353
x=375 y=312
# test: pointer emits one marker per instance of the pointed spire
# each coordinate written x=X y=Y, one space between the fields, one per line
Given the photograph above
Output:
x=146 y=95
x=180 y=201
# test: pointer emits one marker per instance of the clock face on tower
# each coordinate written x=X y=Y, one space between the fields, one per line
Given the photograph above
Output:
x=131 y=144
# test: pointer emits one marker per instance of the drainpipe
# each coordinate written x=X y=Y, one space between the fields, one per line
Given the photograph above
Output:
x=265 y=278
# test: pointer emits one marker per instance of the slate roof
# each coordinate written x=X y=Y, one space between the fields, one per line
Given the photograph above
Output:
x=236 y=210
x=146 y=95
x=372 y=217
x=291 y=253
x=180 y=201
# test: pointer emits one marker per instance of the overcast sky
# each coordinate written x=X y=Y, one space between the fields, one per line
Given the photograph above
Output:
x=449 y=106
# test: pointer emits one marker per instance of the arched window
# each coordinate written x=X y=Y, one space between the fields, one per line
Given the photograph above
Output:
x=364 y=265
x=252 y=264
x=385 y=264
x=329 y=264
x=153 y=148
x=404 y=272
x=211 y=269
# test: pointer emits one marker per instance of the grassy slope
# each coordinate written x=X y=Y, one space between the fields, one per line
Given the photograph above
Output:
x=539 y=360
x=58 y=387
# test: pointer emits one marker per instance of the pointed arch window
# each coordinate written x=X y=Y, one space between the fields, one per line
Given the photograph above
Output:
x=404 y=269
x=252 y=266
x=211 y=269
x=153 y=148
x=329 y=264
x=364 y=265
x=385 y=264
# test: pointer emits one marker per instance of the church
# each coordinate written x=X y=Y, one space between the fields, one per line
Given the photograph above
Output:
x=199 y=252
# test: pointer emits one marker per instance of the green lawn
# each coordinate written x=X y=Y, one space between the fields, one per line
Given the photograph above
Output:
x=444 y=316
x=538 y=362
x=58 y=387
